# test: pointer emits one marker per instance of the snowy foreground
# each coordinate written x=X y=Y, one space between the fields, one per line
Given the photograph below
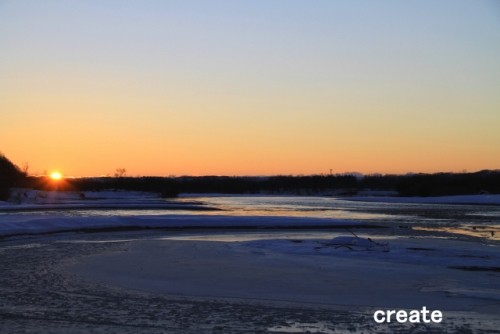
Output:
x=309 y=267
x=232 y=281
x=240 y=281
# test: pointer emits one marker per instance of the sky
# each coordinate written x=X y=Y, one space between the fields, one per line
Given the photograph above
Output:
x=251 y=87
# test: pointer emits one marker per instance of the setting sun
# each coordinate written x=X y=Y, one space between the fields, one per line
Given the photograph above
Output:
x=55 y=176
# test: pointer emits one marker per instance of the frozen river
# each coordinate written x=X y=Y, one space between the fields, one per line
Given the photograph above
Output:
x=477 y=219
x=234 y=264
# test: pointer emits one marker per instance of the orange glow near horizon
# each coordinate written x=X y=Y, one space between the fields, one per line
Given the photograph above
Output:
x=56 y=176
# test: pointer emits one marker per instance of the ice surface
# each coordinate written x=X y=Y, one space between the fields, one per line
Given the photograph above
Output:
x=459 y=199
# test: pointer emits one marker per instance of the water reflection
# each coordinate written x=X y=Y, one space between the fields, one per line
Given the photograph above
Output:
x=471 y=220
x=487 y=232
x=318 y=207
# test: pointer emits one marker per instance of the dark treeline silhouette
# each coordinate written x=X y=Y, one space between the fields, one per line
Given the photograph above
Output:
x=439 y=184
x=10 y=176
x=405 y=185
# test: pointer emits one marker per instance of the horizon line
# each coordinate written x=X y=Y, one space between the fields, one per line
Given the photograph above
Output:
x=358 y=174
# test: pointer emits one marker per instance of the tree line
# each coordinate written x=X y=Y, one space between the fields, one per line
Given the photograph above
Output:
x=437 y=184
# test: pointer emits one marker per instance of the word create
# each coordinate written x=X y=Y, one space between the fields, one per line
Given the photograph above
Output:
x=413 y=316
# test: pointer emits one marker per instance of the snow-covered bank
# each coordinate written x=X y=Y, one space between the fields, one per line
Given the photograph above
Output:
x=27 y=224
x=31 y=196
x=104 y=206
x=23 y=200
x=459 y=199
x=289 y=268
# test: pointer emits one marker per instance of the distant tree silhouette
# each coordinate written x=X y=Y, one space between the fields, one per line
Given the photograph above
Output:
x=26 y=167
x=120 y=172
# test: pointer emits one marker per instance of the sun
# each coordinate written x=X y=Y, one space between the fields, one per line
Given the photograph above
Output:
x=55 y=176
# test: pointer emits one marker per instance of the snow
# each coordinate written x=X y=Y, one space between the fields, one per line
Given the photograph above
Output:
x=289 y=268
x=328 y=267
x=38 y=198
x=414 y=250
x=13 y=224
x=31 y=215
x=351 y=243
x=458 y=199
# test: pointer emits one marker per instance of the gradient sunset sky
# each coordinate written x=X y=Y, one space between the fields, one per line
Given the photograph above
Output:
x=250 y=87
